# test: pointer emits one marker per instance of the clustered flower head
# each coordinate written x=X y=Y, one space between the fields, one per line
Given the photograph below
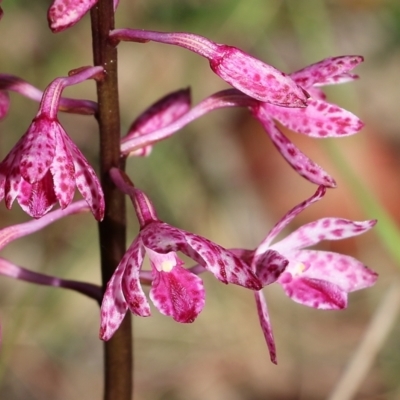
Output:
x=45 y=166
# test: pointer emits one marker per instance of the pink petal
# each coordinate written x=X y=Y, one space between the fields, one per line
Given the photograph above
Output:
x=256 y=79
x=86 y=180
x=10 y=176
x=322 y=229
x=4 y=103
x=221 y=262
x=113 y=306
x=269 y=266
x=175 y=291
x=344 y=271
x=319 y=119
x=38 y=198
x=31 y=157
x=163 y=238
x=328 y=71
x=315 y=293
x=63 y=173
x=159 y=115
x=287 y=218
x=131 y=287
x=297 y=160
x=65 y=13
x=265 y=323
x=38 y=148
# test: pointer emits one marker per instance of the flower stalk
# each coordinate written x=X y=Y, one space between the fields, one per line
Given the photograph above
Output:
x=112 y=230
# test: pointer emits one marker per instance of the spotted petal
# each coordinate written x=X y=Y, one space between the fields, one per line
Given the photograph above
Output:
x=63 y=172
x=38 y=149
x=342 y=270
x=131 y=287
x=316 y=293
x=328 y=71
x=63 y=14
x=9 y=173
x=86 y=180
x=265 y=323
x=226 y=267
x=303 y=165
x=269 y=266
x=113 y=306
x=322 y=229
x=319 y=119
x=255 y=78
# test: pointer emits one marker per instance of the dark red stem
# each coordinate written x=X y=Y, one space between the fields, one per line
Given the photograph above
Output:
x=112 y=230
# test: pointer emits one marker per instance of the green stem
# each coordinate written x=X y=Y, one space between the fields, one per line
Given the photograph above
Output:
x=112 y=230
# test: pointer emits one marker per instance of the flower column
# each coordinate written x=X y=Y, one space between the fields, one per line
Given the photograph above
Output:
x=118 y=351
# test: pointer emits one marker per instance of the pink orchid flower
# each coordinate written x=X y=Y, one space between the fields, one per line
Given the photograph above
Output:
x=45 y=165
x=175 y=291
x=319 y=119
x=315 y=278
x=244 y=72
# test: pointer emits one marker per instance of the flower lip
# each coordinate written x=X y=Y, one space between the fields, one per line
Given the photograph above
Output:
x=175 y=291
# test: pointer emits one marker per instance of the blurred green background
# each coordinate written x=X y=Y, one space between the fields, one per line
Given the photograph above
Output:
x=222 y=178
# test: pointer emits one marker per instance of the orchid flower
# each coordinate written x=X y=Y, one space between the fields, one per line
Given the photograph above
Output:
x=15 y=84
x=318 y=119
x=175 y=291
x=45 y=165
x=315 y=278
x=11 y=233
x=244 y=72
x=63 y=14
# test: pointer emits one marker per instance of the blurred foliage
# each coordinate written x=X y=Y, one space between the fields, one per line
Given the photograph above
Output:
x=219 y=177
